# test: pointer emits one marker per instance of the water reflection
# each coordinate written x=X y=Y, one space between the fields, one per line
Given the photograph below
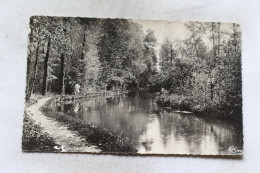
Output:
x=155 y=129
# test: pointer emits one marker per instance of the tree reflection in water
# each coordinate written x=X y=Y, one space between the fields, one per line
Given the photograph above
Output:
x=156 y=129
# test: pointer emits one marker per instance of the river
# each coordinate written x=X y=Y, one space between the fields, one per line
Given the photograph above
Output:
x=156 y=129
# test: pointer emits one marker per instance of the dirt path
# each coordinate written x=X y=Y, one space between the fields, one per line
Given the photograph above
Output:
x=68 y=139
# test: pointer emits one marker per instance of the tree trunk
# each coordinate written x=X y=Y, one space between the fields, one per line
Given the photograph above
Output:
x=45 y=74
x=211 y=87
x=28 y=77
x=182 y=81
x=214 y=58
x=62 y=73
x=213 y=40
x=34 y=72
x=218 y=39
x=29 y=64
x=171 y=54
x=211 y=91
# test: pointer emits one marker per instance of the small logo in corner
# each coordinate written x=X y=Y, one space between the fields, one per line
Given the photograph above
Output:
x=235 y=150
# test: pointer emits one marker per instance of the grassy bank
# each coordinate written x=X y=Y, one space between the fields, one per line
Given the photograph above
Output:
x=199 y=107
x=104 y=139
x=34 y=139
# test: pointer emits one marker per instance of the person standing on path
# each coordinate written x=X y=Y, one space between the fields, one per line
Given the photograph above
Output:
x=76 y=89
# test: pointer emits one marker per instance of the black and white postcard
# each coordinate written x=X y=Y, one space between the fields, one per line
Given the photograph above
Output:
x=127 y=86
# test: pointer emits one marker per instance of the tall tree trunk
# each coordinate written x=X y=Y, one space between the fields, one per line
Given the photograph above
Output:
x=211 y=87
x=213 y=40
x=34 y=72
x=29 y=57
x=28 y=77
x=218 y=39
x=211 y=91
x=214 y=58
x=62 y=74
x=45 y=74
x=171 y=54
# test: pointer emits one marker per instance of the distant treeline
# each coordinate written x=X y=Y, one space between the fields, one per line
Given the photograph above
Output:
x=98 y=54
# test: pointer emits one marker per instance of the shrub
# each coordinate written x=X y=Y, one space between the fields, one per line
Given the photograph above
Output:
x=34 y=138
x=185 y=105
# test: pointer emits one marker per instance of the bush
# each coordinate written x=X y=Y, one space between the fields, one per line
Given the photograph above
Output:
x=186 y=104
x=34 y=138
x=169 y=100
x=199 y=104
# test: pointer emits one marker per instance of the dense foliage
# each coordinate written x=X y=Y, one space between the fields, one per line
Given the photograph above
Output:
x=95 y=53
x=200 y=78
x=202 y=70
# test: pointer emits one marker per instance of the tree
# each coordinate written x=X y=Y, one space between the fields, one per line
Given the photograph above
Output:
x=149 y=50
x=45 y=74
x=92 y=63
x=62 y=74
x=167 y=55
x=120 y=48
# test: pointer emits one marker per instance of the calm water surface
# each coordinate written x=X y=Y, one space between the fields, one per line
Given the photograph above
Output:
x=156 y=129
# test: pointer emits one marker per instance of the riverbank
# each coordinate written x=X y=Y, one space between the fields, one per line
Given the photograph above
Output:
x=205 y=109
x=34 y=139
x=107 y=141
x=56 y=134
x=105 y=94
